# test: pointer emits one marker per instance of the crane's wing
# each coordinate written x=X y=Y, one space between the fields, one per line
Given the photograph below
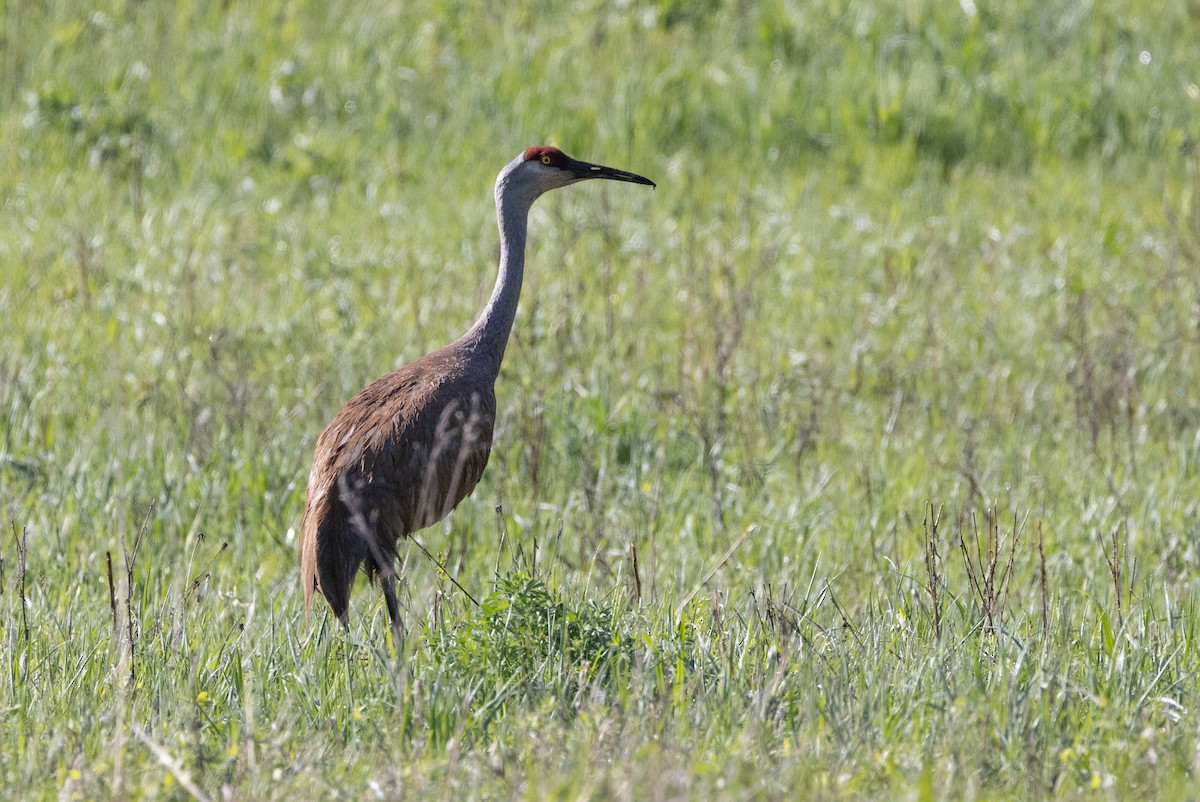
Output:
x=398 y=457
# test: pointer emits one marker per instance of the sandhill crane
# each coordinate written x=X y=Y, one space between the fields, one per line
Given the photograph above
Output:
x=401 y=454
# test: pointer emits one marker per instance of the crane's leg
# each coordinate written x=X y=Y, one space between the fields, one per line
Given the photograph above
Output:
x=387 y=579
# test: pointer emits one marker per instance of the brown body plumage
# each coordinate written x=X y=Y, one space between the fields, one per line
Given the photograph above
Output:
x=402 y=453
x=397 y=458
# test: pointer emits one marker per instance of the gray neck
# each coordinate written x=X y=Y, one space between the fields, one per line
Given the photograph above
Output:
x=488 y=338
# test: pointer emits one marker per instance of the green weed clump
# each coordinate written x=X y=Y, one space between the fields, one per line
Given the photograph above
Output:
x=525 y=638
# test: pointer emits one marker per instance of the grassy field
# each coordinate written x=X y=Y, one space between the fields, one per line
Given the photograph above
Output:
x=859 y=460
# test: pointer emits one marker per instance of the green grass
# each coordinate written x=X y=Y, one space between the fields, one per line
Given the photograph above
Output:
x=906 y=263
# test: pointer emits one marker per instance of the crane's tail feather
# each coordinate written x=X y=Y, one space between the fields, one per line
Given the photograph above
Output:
x=308 y=565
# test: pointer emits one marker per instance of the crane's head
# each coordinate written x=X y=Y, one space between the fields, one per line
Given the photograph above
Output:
x=543 y=168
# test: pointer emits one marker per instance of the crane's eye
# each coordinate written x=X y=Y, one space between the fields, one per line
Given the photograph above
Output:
x=546 y=158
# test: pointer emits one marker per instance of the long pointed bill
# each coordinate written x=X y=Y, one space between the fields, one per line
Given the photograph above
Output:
x=582 y=171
